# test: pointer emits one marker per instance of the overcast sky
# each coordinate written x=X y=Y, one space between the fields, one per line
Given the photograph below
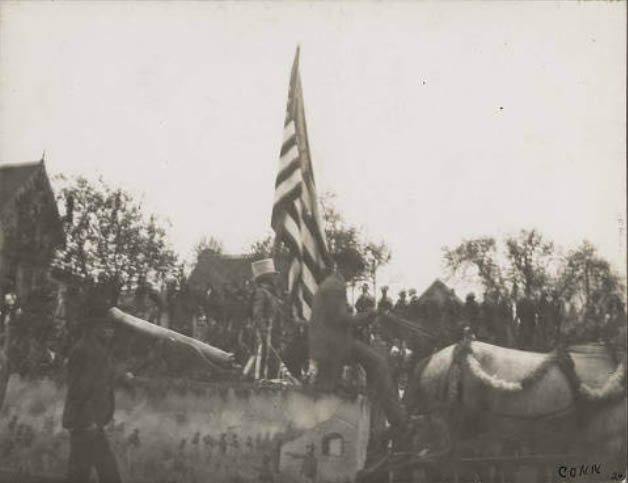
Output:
x=431 y=122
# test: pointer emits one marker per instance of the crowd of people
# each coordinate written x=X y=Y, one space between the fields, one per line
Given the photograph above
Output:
x=254 y=323
x=526 y=322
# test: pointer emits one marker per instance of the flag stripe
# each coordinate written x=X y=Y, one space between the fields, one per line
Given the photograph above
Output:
x=294 y=182
x=289 y=131
x=285 y=173
x=290 y=155
x=295 y=214
x=288 y=143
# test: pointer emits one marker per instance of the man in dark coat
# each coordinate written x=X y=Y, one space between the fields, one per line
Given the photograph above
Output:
x=90 y=404
x=365 y=302
x=471 y=313
x=545 y=323
x=414 y=306
x=332 y=343
x=401 y=306
x=385 y=302
x=526 y=313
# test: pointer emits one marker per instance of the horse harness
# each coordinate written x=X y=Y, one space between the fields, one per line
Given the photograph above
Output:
x=584 y=397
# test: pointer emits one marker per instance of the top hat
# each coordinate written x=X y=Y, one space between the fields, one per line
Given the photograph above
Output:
x=263 y=267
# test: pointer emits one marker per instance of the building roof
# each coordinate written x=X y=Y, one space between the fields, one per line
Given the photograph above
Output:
x=13 y=177
x=217 y=270
x=439 y=292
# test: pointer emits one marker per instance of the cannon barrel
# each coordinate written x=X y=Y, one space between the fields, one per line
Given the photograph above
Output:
x=211 y=354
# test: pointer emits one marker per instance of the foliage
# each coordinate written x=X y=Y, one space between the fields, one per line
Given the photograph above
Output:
x=584 y=283
x=530 y=257
x=208 y=243
x=262 y=248
x=588 y=279
x=109 y=240
x=349 y=242
x=479 y=254
x=525 y=261
x=344 y=241
x=377 y=255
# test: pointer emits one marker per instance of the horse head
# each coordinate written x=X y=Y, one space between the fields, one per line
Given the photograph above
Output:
x=420 y=336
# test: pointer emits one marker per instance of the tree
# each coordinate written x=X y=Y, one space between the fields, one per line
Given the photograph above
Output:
x=350 y=243
x=377 y=255
x=481 y=255
x=208 y=243
x=530 y=258
x=582 y=280
x=262 y=248
x=587 y=277
x=343 y=241
x=525 y=260
x=110 y=242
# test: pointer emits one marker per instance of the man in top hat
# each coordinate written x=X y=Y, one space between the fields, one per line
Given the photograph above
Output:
x=385 y=302
x=90 y=403
x=266 y=313
x=332 y=343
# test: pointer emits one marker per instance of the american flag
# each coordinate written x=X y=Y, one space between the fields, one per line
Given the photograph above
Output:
x=295 y=217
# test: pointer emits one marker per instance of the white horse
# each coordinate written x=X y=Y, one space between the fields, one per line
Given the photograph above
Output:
x=507 y=401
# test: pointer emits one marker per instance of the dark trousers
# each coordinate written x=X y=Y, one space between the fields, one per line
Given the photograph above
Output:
x=90 y=449
x=378 y=375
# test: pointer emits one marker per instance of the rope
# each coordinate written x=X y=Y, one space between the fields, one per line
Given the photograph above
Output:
x=614 y=388
x=534 y=417
x=414 y=328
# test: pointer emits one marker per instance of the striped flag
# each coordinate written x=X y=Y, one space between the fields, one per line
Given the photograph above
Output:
x=295 y=217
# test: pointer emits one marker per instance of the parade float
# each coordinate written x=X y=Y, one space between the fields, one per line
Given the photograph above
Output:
x=479 y=412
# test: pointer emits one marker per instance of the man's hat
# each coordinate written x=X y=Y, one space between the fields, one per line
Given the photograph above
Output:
x=365 y=285
x=403 y=291
x=412 y=291
x=384 y=288
x=263 y=267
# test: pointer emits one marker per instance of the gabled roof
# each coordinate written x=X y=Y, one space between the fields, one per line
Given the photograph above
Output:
x=216 y=270
x=13 y=177
x=439 y=291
